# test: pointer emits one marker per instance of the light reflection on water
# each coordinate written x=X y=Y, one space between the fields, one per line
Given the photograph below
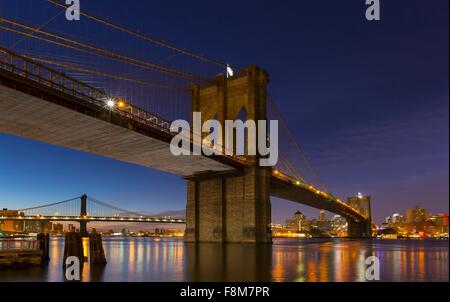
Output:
x=154 y=259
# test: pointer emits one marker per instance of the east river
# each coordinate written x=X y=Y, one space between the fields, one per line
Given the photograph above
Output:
x=302 y=260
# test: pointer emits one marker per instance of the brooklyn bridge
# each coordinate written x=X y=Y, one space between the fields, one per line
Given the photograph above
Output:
x=68 y=92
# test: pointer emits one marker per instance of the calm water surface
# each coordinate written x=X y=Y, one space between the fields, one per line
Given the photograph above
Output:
x=150 y=259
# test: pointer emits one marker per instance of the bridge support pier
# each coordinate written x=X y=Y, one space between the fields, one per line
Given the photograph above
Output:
x=361 y=229
x=229 y=208
x=222 y=207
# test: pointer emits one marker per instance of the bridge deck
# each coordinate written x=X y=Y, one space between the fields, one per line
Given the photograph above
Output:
x=285 y=189
x=82 y=128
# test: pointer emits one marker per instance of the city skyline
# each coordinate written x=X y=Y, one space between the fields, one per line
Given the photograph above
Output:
x=415 y=222
x=354 y=201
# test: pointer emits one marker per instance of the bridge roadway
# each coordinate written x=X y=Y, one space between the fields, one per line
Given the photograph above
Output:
x=35 y=108
x=94 y=219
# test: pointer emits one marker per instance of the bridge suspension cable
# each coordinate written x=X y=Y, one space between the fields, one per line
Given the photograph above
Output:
x=104 y=74
x=289 y=167
x=92 y=50
x=144 y=37
x=49 y=205
x=40 y=27
x=295 y=142
x=121 y=210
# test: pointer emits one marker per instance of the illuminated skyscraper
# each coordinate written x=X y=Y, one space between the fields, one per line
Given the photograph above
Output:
x=397 y=218
x=416 y=215
x=11 y=225
x=322 y=216
x=362 y=204
x=299 y=218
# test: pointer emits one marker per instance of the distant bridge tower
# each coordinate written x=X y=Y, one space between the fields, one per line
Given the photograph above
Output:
x=224 y=207
x=83 y=213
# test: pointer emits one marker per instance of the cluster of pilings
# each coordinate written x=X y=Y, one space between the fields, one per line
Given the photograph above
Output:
x=73 y=246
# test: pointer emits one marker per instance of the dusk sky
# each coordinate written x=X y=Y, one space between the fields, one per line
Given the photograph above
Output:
x=368 y=101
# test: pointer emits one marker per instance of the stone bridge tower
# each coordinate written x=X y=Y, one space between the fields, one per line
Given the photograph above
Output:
x=231 y=207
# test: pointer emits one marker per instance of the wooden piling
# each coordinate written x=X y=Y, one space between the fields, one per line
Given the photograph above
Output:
x=44 y=245
x=96 y=252
x=73 y=246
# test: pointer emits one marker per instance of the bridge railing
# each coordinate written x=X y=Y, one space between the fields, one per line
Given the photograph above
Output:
x=18 y=244
x=39 y=73
x=34 y=71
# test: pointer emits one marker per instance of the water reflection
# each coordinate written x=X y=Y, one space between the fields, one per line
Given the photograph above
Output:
x=302 y=260
x=324 y=260
x=231 y=262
